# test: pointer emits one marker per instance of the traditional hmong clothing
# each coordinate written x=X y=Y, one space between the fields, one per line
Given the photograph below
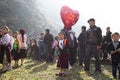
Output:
x=5 y=55
x=23 y=46
x=63 y=55
x=15 y=49
x=11 y=43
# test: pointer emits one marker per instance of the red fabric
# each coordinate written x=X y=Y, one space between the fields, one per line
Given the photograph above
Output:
x=63 y=60
x=69 y=16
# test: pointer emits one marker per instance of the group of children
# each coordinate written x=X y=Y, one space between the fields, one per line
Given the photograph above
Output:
x=12 y=47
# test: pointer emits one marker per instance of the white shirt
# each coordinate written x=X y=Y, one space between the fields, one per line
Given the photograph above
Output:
x=61 y=44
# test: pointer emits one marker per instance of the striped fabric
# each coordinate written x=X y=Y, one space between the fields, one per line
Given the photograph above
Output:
x=5 y=40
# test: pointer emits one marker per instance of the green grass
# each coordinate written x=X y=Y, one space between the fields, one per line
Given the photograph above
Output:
x=35 y=70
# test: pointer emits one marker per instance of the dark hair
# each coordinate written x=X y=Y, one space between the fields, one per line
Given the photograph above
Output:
x=91 y=19
x=61 y=32
x=116 y=33
x=108 y=27
x=22 y=32
x=7 y=28
x=41 y=33
x=84 y=27
x=47 y=30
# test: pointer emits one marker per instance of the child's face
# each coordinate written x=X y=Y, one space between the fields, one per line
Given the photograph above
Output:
x=116 y=37
x=5 y=30
x=61 y=36
x=15 y=35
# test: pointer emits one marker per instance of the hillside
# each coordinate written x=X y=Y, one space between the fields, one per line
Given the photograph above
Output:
x=23 y=14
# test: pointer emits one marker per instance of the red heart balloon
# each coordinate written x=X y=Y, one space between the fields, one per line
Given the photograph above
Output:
x=69 y=16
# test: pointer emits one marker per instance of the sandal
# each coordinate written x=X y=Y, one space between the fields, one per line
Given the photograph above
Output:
x=15 y=66
x=4 y=71
x=21 y=64
x=60 y=74
x=63 y=74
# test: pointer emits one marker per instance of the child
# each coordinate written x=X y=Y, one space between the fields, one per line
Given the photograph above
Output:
x=63 y=55
x=15 y=49
x=114 y=49
x=35 y=50
x=22 y=37
x=10 y=47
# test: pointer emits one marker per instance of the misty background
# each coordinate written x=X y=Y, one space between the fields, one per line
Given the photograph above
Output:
x=106 y=13
x=37 y=15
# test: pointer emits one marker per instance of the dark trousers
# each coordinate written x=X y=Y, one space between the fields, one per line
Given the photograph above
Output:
x=72 y=55
x=115 y=67
x=5 y=51
x=42 y=53
x=49 y=54
x=81 y=55
x=105 y=55
x=91 y=50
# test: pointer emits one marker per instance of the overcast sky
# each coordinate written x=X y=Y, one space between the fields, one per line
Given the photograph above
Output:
x=106 y=12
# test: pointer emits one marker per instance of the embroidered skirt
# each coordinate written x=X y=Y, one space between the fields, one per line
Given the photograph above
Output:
x=63 y=60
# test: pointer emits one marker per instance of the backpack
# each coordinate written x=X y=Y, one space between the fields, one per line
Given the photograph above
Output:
x=70 y=42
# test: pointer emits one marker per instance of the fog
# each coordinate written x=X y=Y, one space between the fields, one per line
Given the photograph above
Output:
x=105 y=12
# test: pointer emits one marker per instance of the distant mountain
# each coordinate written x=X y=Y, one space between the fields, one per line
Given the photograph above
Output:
x=18 y=14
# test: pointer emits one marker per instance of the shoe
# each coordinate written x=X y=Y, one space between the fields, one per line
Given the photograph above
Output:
x=3 y=71
x=97 y=72
x=81 y=66
x=15 y=67
x=89 y=73
x=87 y=70
x=9 y=68
x=21 y=64
x=59 y=74
x=63 y=74
x=70 y=67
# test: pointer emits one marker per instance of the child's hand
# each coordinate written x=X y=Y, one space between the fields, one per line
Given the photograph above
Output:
x=119 y=50
x=112 y=52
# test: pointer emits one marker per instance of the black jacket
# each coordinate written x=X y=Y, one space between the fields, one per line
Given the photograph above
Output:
x=94 y=36
x=82 y=39
x=48 y=39
x=116 y=56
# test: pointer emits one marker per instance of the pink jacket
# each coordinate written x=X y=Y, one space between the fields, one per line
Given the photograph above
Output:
x=55 y=43
x=22 y=45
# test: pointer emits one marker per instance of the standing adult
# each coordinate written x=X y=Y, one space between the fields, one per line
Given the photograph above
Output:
x=41 y=43
x=48 y=40
x=93 y=37
x=5 y=56
x=82 y=45
x=107 y=40
x=108 y=35
x=23 y=45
